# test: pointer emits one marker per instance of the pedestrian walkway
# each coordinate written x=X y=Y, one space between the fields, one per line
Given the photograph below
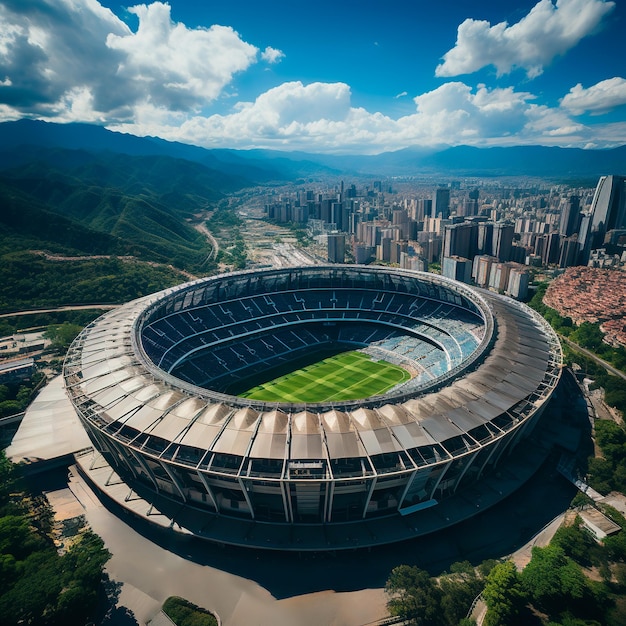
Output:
x=567 y=468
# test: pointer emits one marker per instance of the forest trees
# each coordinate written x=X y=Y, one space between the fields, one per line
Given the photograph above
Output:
x=552 y=589
x=424 y=601
x=607 y=473
x=503 y=595
x=62 y=335
x=15 y=397
x=37 y=585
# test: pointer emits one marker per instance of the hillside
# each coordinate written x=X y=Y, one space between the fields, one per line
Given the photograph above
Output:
x=78 y=203
x=24 y=139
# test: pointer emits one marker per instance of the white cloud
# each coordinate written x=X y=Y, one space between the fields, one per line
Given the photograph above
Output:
x=177 y=67
x=454 y=109
x=401 y=94
x=49 y=48
x=532 y=43
x=74 y=60
x=320 y=117
x=272 y=55
x=599 y=98
x=52 y=50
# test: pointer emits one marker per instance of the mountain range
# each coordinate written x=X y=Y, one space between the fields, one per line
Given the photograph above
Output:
x=23 y=140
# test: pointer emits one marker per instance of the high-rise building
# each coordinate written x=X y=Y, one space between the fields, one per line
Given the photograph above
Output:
x=383 y=251
x=423 y=209
x=397 y=248
x=410 y=261
x=485 y=238
x=570 y=216
x=502 y=240
x=519 y=279
x=363 y=253
x=399 y=216
x=441 y=203
x=551 y=248
x=353 y=222
x=457 y=268
x=481 y=268
x=336 y=248
x=608 y=211
x=569 y=251
x=460 y=240
x=499 y=276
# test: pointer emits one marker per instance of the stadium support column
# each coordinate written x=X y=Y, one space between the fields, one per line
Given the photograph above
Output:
x=244 y=490
x=329 y=484
x=145 y=467
x=438 y=481
x=174 y=479
x=369 y=493
x=408 y=486
x=286 y=504
x=109 y=450
x=506 y=443
x=494 y=447
x=202 y=477
x=473 y=457
x=328 y=502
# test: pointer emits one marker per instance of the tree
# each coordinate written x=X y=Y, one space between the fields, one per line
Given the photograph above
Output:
x=62 y=335
x=553 y=579
x=458 y=590
x=576 y=543
x=413 y=596
x=185 y=613
x=503 y=595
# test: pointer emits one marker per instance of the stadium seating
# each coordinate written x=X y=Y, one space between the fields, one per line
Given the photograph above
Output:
x=213 y=344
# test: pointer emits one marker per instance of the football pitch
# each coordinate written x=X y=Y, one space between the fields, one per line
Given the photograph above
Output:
x=345 y=376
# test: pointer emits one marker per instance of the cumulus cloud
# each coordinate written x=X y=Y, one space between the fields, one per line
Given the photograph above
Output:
x=56 y=52
x=48 y=49
x=175 y=66
x=549 y=30
x=272 y=55
x=320 y=117
x=454 y=109
x=276 y=117
x=599 y=98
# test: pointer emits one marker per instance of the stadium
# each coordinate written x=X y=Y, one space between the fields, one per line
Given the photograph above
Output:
x=313 y=408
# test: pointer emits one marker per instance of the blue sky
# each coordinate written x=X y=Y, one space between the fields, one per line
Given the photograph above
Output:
x=336 y=77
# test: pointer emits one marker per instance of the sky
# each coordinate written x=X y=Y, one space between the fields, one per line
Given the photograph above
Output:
x=330 y=76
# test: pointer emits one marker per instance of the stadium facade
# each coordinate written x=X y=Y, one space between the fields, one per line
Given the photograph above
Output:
x=155 y=384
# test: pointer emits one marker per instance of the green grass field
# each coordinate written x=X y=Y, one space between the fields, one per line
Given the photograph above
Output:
x=345 y=376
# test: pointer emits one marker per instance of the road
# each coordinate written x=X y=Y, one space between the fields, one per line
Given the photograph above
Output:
x=215 y=247
x=78 y=307
x=609 y=368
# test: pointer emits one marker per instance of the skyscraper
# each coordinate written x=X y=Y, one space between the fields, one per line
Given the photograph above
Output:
x=485 y=238
x=460 y=240
x=336 y=248
x=570 y=216
x=503 y=240
x=441 y=203
x=608 y=211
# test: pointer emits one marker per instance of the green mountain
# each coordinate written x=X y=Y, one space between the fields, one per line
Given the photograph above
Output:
x=77 y=203
x=21 y=140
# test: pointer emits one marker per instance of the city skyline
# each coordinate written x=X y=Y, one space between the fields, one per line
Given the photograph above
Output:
x=337 y=78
